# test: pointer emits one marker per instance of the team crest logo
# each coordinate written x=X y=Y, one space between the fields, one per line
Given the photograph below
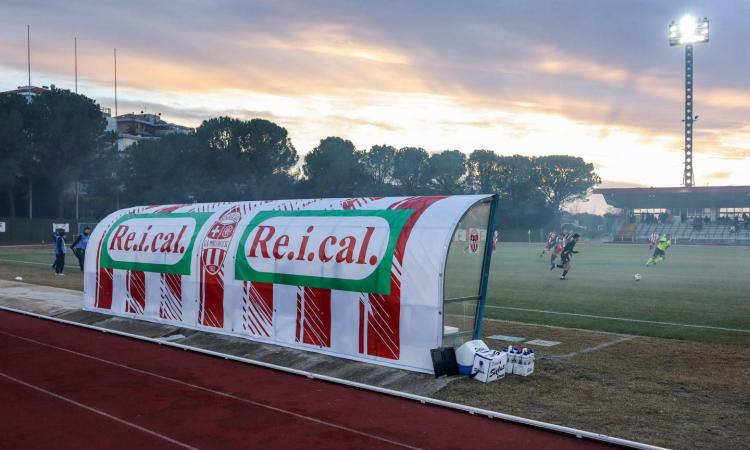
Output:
x=474 y=240
x=217 y=241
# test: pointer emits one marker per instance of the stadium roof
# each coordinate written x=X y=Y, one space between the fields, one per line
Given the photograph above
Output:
x=677 y=197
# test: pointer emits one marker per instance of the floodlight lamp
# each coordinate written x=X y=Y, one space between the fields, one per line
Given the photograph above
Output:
x=688 y=30
x=688 y=24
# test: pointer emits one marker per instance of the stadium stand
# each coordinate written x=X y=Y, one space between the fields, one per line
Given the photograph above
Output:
x=698 y=215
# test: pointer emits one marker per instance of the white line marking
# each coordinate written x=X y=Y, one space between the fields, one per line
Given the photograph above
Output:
x=97 y=411
x=594 y=348
x=26 y=262
x=623 y=319
x=26 y=245
x=215 y=392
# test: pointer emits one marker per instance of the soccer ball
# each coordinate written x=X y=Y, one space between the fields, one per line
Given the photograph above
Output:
x=637 y=277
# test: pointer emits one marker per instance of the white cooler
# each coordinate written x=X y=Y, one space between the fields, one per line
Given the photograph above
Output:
x=465 y=355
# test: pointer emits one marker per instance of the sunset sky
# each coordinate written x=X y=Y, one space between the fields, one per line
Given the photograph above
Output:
x=596 y=79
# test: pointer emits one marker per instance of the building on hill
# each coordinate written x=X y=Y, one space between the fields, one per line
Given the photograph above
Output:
x=29 y=92
x=701 y=215
x=132 y=128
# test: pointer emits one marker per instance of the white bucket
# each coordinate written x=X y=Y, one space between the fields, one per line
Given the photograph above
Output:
x=465 y=355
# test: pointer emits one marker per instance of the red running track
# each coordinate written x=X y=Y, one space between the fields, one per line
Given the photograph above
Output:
x=67 y=387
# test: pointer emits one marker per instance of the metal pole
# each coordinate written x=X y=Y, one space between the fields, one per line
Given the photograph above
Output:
x=75 y=51
x=77 y=192
x=486 y=266
x=31 y=199
x=28 y=52
x=115 y=82
x=689 y=117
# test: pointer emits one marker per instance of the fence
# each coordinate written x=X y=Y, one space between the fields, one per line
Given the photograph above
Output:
x=37 y=231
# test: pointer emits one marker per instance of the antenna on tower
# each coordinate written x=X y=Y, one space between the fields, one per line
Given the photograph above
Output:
x=28 y=52
x=115 y=82
x=75 y=53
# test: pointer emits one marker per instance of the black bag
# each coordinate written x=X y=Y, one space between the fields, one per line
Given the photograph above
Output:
x=444 y=361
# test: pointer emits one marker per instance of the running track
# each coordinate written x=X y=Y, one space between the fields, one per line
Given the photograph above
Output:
x=68 y=387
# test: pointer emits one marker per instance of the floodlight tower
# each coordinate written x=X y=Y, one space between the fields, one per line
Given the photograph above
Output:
x=686 y=32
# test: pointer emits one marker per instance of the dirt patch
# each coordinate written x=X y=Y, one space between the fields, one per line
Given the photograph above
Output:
x=659 y=391
x=36 y=274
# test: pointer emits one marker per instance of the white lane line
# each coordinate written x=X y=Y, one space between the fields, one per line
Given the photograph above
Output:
x=97 y=411
x=622 y=319
x=26 y=245
x=26 y=262
x=219 y=393
x=593 y=349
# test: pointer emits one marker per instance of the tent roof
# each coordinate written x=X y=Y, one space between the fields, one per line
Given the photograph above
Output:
x=677 y=197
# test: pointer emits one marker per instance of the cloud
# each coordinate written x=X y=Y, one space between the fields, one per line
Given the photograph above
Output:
x=719 y=175
x=597 y=80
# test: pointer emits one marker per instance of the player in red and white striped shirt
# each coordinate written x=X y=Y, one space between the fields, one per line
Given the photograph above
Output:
x=653 y=240
x=551 y=239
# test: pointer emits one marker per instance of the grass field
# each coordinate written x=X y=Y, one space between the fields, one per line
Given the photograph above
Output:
x=699 y=293
x=33 y=263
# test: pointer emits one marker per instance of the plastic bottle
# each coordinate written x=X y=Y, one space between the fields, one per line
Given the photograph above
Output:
x=531 y=361
x=509 y=364
x=525 y=364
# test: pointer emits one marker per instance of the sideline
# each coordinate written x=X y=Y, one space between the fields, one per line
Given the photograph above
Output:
x=622 y=319
x=591 y=349
x=26 y=245
x=581 y=434
x=25 y=262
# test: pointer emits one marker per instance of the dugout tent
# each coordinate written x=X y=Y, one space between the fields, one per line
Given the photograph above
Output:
x=360 y=278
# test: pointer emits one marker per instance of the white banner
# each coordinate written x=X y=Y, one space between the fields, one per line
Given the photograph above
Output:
x=360 y=278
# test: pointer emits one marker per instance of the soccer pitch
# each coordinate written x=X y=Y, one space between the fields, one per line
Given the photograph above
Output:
x=698 y=293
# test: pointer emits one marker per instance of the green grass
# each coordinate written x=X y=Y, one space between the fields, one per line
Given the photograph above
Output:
x=34 y=265
x=695 y=285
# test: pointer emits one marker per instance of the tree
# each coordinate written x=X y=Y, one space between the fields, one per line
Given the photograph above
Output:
x=481 y=168
x=254 y=156
x=564 y=178
x=379 y=164
x=516 y=180
x=409 y=167
x=102 y=178
x=445 y=172
x=65 y=129
x=13 y=145
x=335 y=169
x=162 y=171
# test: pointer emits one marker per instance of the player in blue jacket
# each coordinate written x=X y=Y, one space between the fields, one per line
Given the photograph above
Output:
x=79 y=246
x=59 y=264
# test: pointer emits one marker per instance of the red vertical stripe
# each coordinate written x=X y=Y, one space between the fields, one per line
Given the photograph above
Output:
x=212 y=304
x=384 y=316
x=258 y=308
x=103 y=296
x=300 y=308
x=171 y=296
x=314 y=317
x=361 y=326
x=136 y=291
x=103 y=288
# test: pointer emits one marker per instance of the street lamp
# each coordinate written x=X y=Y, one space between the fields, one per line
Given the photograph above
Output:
x=686 y=32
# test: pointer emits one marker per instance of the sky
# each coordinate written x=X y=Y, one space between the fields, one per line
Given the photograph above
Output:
x=591 y=78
